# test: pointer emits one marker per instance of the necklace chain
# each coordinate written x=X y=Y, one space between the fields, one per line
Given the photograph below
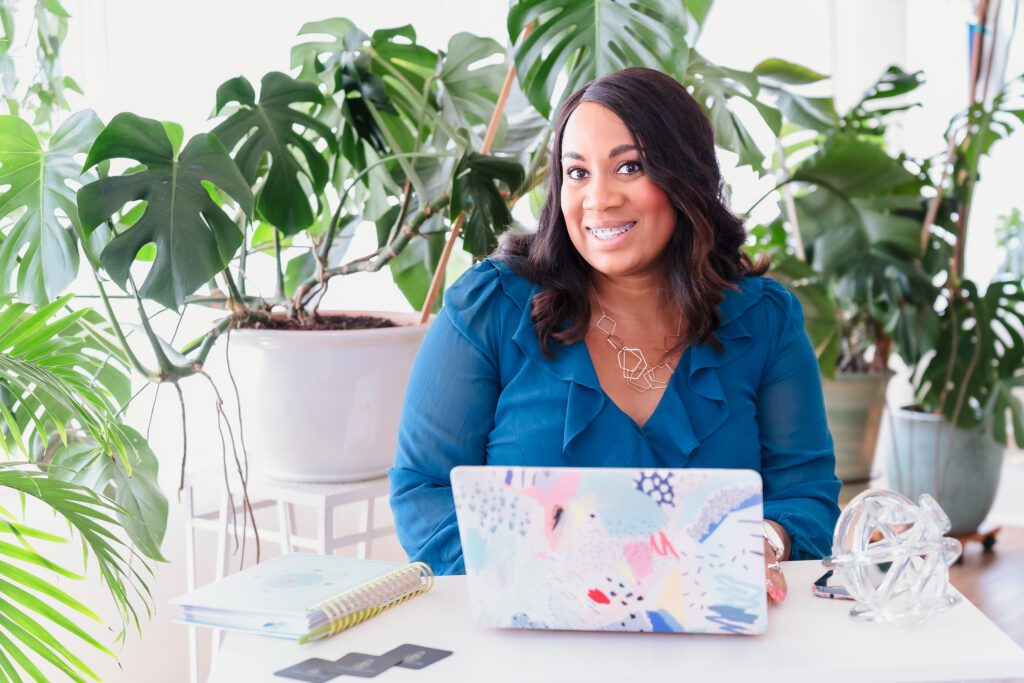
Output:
x=640 y=375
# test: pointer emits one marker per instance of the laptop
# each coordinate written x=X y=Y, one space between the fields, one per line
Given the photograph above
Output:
x=610 y=549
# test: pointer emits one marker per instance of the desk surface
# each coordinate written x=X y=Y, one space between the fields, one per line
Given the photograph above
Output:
x=808 y=639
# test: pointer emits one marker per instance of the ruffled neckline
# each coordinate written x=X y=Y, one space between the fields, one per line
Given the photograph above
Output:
x=586 y=398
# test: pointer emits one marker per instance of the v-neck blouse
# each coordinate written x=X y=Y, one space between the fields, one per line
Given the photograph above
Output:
x=481 y=392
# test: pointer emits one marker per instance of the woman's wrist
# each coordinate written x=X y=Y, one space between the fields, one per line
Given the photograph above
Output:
x=781 y=538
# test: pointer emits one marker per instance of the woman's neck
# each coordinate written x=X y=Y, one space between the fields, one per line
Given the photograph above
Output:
x=641 y=304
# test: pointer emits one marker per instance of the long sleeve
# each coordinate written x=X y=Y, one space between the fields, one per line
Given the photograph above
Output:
x=446 y=419
x=797 y=456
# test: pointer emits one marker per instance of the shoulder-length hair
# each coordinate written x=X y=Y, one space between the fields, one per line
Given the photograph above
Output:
x=677 y=150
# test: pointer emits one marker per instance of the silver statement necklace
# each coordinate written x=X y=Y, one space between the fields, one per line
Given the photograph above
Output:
x=640 y=375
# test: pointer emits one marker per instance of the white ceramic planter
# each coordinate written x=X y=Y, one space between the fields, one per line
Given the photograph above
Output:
x=324 y=406
x=854 y=403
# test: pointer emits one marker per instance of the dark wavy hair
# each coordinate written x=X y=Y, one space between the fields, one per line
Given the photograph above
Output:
x=677 y=150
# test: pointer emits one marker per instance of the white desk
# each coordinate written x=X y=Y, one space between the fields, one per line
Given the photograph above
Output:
x=808 y=639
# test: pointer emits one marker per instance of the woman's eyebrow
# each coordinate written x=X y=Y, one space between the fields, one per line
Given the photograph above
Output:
x=616 y=151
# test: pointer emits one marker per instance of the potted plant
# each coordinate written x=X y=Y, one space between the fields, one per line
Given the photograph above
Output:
x=848 y=231
x=968 y=369
x=375 y=130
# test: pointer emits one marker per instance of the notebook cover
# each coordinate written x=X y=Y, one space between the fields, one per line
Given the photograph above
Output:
x=288 y=585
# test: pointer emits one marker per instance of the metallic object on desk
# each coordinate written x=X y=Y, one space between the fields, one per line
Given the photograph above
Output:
x=894 y=557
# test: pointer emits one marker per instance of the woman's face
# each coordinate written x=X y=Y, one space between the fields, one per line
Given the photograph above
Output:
x=618 y=219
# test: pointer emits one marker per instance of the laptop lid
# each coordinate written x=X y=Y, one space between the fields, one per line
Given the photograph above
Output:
x=609 y=549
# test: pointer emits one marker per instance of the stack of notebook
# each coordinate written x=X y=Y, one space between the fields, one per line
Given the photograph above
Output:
x=304 y=596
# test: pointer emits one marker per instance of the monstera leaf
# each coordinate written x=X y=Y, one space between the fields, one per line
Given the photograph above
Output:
x=584 y=39
x=980 y=336
x=297 y=169
x=195 y=239
x=469 y=89
x=476 y=194
x=38 y=249
x=143 y=512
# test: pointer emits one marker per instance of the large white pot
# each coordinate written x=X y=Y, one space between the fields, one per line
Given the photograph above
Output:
x=324 y=406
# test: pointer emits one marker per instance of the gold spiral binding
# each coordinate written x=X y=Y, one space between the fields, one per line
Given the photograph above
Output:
x=370 y=599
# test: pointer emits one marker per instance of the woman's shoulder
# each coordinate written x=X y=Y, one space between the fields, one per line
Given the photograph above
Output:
x=487 y=298
x=491 y=281
x=760 y=302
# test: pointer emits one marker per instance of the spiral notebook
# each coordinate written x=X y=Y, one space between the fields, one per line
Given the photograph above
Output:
x=302 y=596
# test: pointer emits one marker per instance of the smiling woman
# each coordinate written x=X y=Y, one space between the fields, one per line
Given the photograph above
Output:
x=630 y=330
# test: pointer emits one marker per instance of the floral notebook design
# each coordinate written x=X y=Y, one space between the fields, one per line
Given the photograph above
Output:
x=602 y=549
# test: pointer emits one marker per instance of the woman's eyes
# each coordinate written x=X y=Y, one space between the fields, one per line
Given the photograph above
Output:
x=626 y=167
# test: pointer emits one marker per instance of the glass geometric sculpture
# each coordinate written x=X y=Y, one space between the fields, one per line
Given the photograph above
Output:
x=893 y=557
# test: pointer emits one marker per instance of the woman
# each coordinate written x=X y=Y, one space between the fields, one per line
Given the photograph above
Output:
x=630 y=330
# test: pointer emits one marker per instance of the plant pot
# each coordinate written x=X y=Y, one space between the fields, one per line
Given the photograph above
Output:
x=324 y=406
x=959 y=468
x=854 y=403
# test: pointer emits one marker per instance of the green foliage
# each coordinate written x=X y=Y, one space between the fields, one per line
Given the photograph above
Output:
x=476 y=195
x=857 y=211
x=55 y=370
x=195 y=239
x=296 y=170
x=39 y=252
x=142 y=506
x=39 y=620
x=584 y=39
x=978 y=360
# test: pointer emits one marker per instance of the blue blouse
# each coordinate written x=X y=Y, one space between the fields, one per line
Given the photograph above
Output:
x=481 y=392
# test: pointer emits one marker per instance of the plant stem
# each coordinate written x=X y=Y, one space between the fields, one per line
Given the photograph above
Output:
x=332 y=228
x=277 y=260
x=378 y=259
x=136 y=363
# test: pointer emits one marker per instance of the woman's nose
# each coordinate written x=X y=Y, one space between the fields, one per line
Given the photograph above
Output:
x=602 y=193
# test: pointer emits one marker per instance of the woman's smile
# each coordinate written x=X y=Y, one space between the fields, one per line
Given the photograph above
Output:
x=610 y=231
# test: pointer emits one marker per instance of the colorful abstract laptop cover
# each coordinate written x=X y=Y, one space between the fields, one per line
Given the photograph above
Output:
x=603 y=549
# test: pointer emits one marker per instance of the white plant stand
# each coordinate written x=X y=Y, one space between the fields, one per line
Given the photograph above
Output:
x=325 y=499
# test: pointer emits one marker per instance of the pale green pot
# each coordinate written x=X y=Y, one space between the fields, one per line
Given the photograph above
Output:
x=957 y=467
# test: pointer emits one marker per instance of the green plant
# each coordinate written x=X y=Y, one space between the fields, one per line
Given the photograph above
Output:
x=1010 y=238
x=849 y=225
x=974 y=360
x=63 y=388
x=61 y=382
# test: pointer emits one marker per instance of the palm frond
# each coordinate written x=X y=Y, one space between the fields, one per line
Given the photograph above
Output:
x=37 y=618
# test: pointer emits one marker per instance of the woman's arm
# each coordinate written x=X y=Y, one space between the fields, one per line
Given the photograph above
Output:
x=447 y=417
x=797 y=457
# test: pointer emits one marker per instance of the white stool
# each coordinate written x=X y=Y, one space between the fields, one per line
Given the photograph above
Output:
x=263 y=493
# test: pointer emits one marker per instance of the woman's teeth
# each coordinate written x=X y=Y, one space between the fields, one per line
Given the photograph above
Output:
x=611 y=233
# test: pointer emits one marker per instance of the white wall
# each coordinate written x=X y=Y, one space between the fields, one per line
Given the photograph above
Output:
x=164 y=60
